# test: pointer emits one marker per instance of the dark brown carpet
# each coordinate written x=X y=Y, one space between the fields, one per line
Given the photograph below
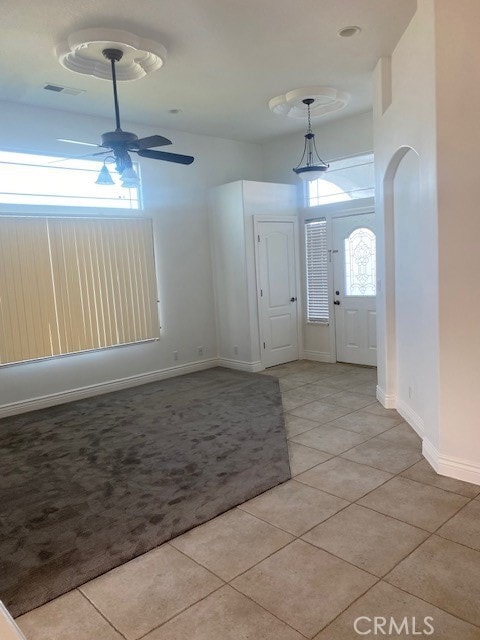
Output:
x=89 y=485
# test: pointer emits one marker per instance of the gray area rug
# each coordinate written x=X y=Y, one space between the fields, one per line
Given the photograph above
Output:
x=88 y=485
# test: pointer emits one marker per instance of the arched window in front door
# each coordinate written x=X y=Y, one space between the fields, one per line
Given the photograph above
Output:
x=360 y=256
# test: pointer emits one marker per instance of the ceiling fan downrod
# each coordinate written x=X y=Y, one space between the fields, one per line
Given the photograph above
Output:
x=114 y=55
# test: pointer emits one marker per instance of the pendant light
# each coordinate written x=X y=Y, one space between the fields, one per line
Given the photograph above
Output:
x=314 y=166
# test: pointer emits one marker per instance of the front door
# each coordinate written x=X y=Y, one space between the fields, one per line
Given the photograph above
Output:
x=354 y=277
x=277 y=294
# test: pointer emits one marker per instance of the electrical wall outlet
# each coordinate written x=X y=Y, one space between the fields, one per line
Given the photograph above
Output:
x=235 y=350
x=200 y=351
x=410 y=392
x=175 y=355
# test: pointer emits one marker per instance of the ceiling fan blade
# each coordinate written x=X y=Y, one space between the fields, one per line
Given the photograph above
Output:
x=88 y=155
x=165 y=155
x=151 y=141
x=85 y=144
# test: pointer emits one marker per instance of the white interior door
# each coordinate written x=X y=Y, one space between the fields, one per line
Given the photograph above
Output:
x=354 y=281
x=277 y=295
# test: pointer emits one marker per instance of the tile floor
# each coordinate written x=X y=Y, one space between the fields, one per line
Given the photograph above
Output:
x=364 y=528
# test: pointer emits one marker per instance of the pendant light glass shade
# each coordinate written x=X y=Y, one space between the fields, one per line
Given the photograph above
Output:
x=104 y=176
x=311 y=166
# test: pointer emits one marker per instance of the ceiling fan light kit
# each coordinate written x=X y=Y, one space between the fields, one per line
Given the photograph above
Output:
x=121 y=143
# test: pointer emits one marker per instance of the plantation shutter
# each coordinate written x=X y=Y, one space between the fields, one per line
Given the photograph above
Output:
x=74 y=284
x=317 y=271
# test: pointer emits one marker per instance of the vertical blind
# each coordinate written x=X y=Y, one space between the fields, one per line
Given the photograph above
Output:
x=317 y=270
x=70 y=285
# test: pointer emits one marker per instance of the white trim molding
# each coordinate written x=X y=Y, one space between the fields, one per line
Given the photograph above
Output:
x=389 y=401
x=450 y=466
x=410 y=416
x=240 y=365
x=319 y=356
x=52 y=399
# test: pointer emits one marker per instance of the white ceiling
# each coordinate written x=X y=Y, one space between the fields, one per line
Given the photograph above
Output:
x=226 y=58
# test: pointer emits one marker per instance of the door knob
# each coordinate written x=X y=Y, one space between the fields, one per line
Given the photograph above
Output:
x=336 y=302
x=293 y=299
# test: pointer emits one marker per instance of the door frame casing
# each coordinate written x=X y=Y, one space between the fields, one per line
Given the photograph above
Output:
x=257 y=219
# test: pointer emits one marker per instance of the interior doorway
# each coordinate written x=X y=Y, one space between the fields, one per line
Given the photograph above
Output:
x=277 y=291
x=354 y=283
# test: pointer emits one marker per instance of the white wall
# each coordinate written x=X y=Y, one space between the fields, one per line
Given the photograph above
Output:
x=176 y=197
x=404 y=118
x=417 y=106
x=232 y=210
x=458 y=141
x=339 y=139
x=410 y=287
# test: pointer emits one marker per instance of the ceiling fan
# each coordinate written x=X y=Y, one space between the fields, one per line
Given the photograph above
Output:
x=119 y=144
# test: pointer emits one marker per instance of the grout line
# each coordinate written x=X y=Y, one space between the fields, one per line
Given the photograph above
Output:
x=181 y=611
x=267 y=610
x=109 y=622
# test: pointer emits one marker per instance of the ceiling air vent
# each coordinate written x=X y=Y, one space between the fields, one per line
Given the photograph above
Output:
x=66 y=90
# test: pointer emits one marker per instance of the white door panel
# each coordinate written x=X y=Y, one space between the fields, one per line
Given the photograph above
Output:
x=354 y=289
x=277 y=292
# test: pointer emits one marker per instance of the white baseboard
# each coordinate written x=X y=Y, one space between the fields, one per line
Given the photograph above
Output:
x=240 y=365
x=319 y=356
x=410 y=416
x=104 y=387
x=449 y=466
x=389 y=401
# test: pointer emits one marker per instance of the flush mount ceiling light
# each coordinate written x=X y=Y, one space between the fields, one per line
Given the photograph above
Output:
x=82 y=52
x=325 y=100
x=348 y=32
x=311 y=166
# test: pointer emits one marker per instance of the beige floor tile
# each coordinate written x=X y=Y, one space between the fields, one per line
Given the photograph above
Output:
x=379 y=410
x=418 y=504
x=231 y=543
x=363 y=422
x=320 y=411
x=295 y=425
x=369 y=540
x=384 y=455
x=464 y=527
x=318 y=391
x=294 y=506
x=343 y=478
x=287 y=385
x=224 y=615
x=70 y=617
x=345 y=381
x=443 y=573
x=385 y=601
x=303 y=458
x=403 y=435
x=349 y=399
x=423 y=472
x=304 y=586
x=147 y=591
x=367 y=388
x=329 y=439
x=294 y=398
x=307 y=377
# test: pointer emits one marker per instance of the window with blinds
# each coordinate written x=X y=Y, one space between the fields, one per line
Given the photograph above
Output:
x=317 y=270
x=74 y=284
